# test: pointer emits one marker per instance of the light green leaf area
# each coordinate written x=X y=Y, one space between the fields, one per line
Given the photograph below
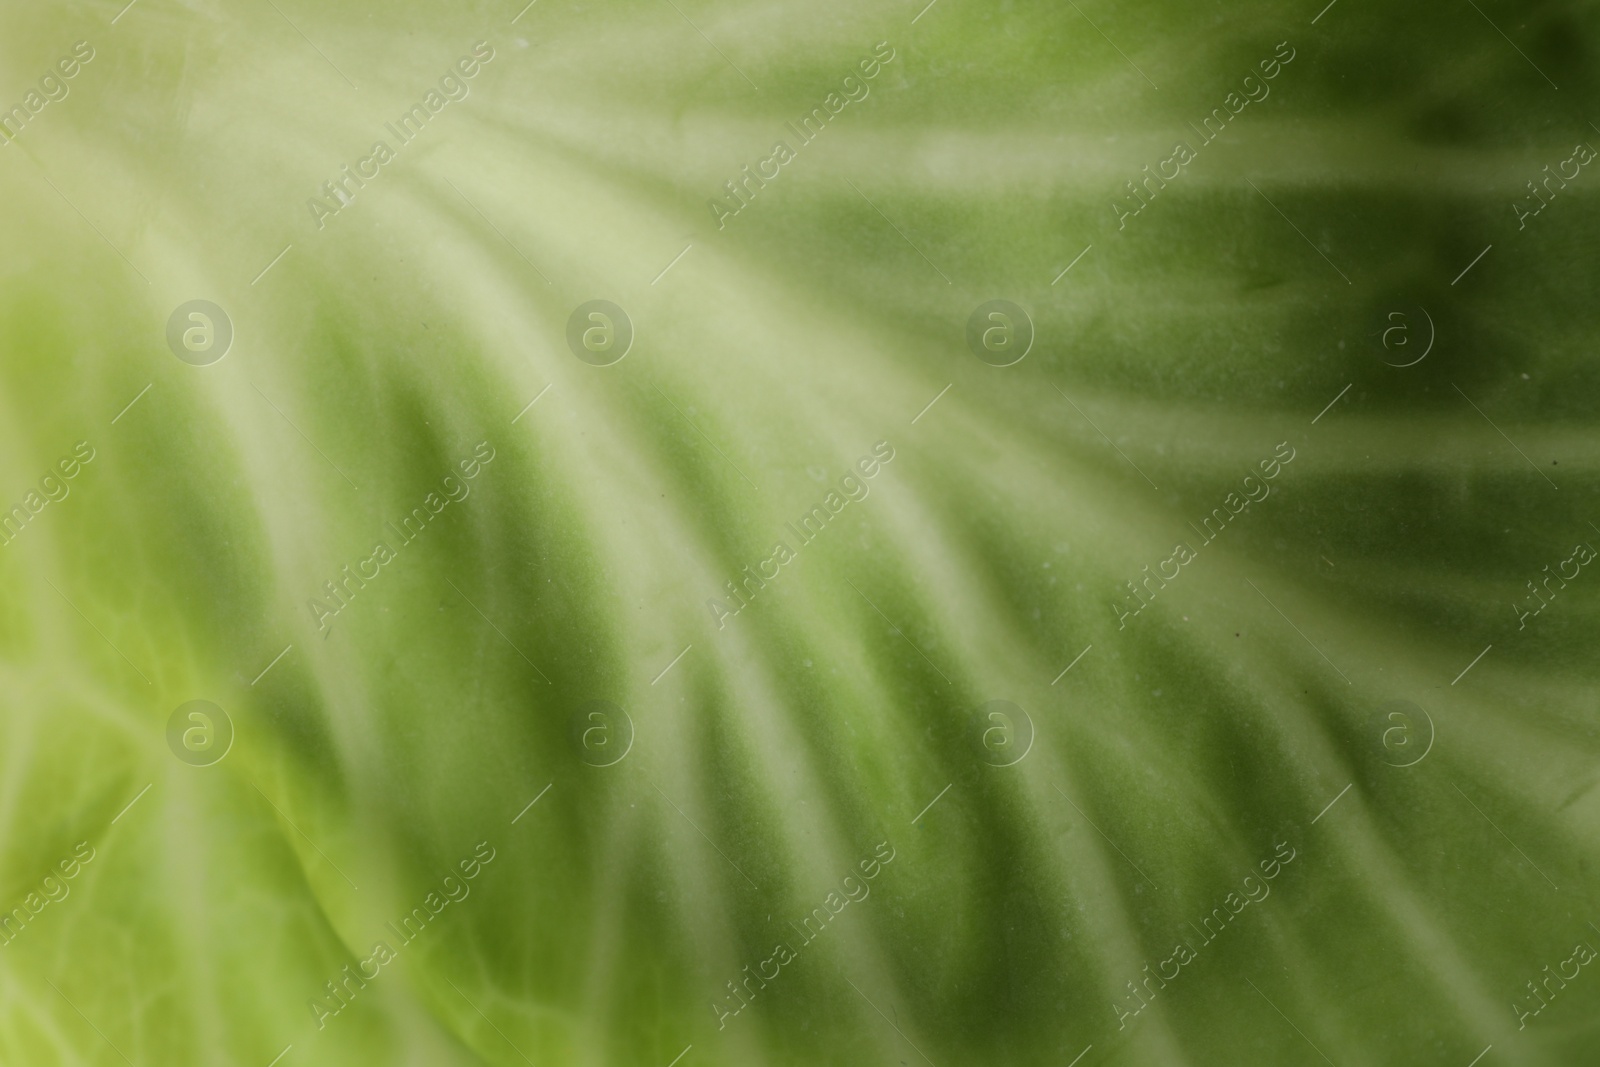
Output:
x=1298 y=763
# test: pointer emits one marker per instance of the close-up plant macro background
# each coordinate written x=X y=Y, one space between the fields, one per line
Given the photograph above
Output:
x=686 y=533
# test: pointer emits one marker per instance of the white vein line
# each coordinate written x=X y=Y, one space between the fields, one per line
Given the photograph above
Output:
x=713 y=44
x=1324 y=11
x=1502 y=833
x=1073 y=664
x=96 y=1029
x=532 y=402
x=280 y=1055
x=1102 y=833
x=531 y=803
x=1109 y=441
x=1332 y=402
x=496 y=229
x=314 y=47
x=674 y=262
x=886 y=1019
x=92 y=226
x=1063 y=274
x=1297 y=630
x=303 y=437
x=685 y=1052
x=132 y=802
x=302 y=833
x=491 y=1022
x=1296 y=229
x=274 y=263
x=924 y=11
x=932 y=402
x=1480 y=1056
x=1502 y=433
x=1113 y=44
x=121 y=13
x=1474 y=263
x=132 y=402
x=273 y=664
x=523 y=12
x=708 y=440
x=1085 y=1052
x=1513 y=44
x=671 y=665
x=931 y=803
x=1331 y=803
x=1474 y=663
x=99 y=631
x=708 y=840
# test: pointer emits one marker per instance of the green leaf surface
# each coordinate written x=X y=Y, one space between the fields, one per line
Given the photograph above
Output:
x=1248 y=611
